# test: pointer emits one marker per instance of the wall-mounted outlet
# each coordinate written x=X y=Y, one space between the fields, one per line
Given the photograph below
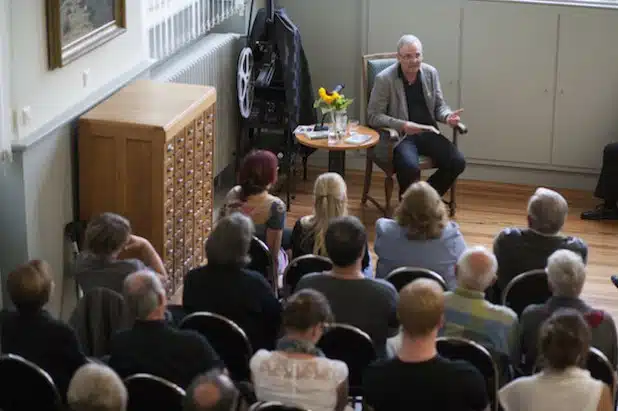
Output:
x=26 y=116
x=85 y=78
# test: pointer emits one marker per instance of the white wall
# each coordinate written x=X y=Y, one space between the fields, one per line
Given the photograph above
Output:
x=6 y=132
x=50 y=93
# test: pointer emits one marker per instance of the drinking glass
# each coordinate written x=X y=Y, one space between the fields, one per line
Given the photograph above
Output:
x=353 y=127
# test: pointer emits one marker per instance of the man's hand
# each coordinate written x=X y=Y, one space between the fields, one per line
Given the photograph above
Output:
x=453 y=119
x=410 y=128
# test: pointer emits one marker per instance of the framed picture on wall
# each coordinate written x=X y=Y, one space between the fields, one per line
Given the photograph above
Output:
x=76 y=27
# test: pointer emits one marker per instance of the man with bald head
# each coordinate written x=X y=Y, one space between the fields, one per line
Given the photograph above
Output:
x=152 y=346
x=213 y=391
x=468 y=314
x=418 y=377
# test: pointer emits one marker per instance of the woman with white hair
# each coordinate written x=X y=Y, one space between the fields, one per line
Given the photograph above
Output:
x=96 y=387
x=330 y=200
x=420 y=235
x=566 y=274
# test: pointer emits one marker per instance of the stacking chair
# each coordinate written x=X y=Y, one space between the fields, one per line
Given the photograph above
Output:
x=601 y=369
x=382 y=154
x=402 y=276
x=273 y=406
x=527 y=288
x=148 y=392
x=26 y=386
x=262 y=262
x=352 y=346
x=226 y=338
x=455 y=348
x=305 y=264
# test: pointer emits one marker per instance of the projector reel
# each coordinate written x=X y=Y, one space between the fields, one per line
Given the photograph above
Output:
x=244 y=81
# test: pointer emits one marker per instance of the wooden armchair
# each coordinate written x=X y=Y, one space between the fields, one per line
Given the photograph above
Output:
x=382 y=155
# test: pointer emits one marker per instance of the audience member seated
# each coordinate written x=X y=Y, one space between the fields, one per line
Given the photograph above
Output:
x=419 y=378
x=32 y=332
x=213 y=391
x=563 y=384
x=96 y=387
x=298 y=373
x=152 y=346
x=258 y=173
x=330 y=200
x=421 y=235
x=366 y=303
x=566 y=274
x=107 y=241
x=523 y=249
x=467 y=313
x=226 y=287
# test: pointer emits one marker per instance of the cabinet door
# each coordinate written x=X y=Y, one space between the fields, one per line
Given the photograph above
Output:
x=508 y=80
x=587 y=95
x=436 y=23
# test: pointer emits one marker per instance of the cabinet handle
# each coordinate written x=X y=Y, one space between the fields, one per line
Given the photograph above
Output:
x=561 y=91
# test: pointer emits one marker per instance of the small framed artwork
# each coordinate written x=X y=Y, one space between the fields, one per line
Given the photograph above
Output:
x=76 y=27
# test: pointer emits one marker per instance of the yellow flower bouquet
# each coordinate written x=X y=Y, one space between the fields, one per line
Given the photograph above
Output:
x=333 y=101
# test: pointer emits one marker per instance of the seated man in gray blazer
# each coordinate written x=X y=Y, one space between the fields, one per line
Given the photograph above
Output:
x=408 y=98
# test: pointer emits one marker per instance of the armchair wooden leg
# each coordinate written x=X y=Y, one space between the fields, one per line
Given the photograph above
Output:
x=367 y=183
x=453 y=203
x=304 y=167
x=388 y=191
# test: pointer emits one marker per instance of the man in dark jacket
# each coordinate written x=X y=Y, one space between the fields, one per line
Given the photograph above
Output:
x=607 y=187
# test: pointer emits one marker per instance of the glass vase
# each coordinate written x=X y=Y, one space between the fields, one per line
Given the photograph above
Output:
x=340 y=124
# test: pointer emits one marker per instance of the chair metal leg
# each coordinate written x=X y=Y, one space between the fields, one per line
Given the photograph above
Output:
x=367 y=182
x=452 y=204
x=304 y=167
x=388 y=191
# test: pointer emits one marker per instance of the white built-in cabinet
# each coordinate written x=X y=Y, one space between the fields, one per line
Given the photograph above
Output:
x=539 y=83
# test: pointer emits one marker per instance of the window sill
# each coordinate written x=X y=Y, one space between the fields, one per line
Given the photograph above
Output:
x=592 y=4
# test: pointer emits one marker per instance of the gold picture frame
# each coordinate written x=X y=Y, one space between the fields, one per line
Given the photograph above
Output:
x=76 y=27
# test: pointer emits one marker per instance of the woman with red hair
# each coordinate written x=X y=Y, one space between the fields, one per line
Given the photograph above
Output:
x=258 y=173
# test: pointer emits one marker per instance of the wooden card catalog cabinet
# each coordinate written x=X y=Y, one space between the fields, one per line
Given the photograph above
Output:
x=147 y=153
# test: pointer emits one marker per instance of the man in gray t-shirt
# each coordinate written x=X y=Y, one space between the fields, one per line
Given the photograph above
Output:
x=366 y=303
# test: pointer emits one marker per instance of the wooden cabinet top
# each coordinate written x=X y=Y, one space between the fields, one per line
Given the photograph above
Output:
x=152 y=104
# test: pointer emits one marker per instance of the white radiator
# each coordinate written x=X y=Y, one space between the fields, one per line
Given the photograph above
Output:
x=212 y=62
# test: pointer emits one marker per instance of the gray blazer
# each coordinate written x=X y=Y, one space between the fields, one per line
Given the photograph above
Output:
x=388 y=107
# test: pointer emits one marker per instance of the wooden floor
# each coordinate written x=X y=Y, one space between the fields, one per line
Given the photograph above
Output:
x=485 y=208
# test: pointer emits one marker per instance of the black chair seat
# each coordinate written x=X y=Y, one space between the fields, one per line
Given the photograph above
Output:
x=148 y=392
x=301 y=266
x=352 y=346
x=527 y=288
x=600 y=368
x=226 y=338
x=400 y=277
x=26 y=386
x=455 y=348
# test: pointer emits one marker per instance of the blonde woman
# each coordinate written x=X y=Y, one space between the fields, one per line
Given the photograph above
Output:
x=420 y=235
x=330 y=200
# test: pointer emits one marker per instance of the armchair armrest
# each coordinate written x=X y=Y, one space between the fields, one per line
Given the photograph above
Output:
x=461 y=128
x=392 y=133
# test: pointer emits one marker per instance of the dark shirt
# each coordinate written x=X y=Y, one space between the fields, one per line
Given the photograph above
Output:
x=303 y=239
x=92 y=272
x=520 y=250
x=47 y=342
x=242 y=295
x=418 y=111
x=153 y=347
x=436 y=384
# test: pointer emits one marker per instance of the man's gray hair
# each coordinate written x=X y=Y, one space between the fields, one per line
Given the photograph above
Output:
x=96 y=387
x=212 y=391
x=547 y=211
x=142 y=293
x=476 y=268
x=566 y=273
x=407 y=39
x=230 y=241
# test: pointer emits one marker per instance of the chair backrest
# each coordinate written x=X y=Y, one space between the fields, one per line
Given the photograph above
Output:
x=26 y=386
x=527 y=288
x=98 y=315
x=148 y=392
x=601 y=369
x=456 y=348
x=226 y=338
x=373 y=64
x=262 y=261
x=402 y=276
x=273 y=406
x=305 y=264
x=352 y=346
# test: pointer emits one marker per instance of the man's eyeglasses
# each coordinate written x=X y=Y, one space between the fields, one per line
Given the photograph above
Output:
x=410 y=56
